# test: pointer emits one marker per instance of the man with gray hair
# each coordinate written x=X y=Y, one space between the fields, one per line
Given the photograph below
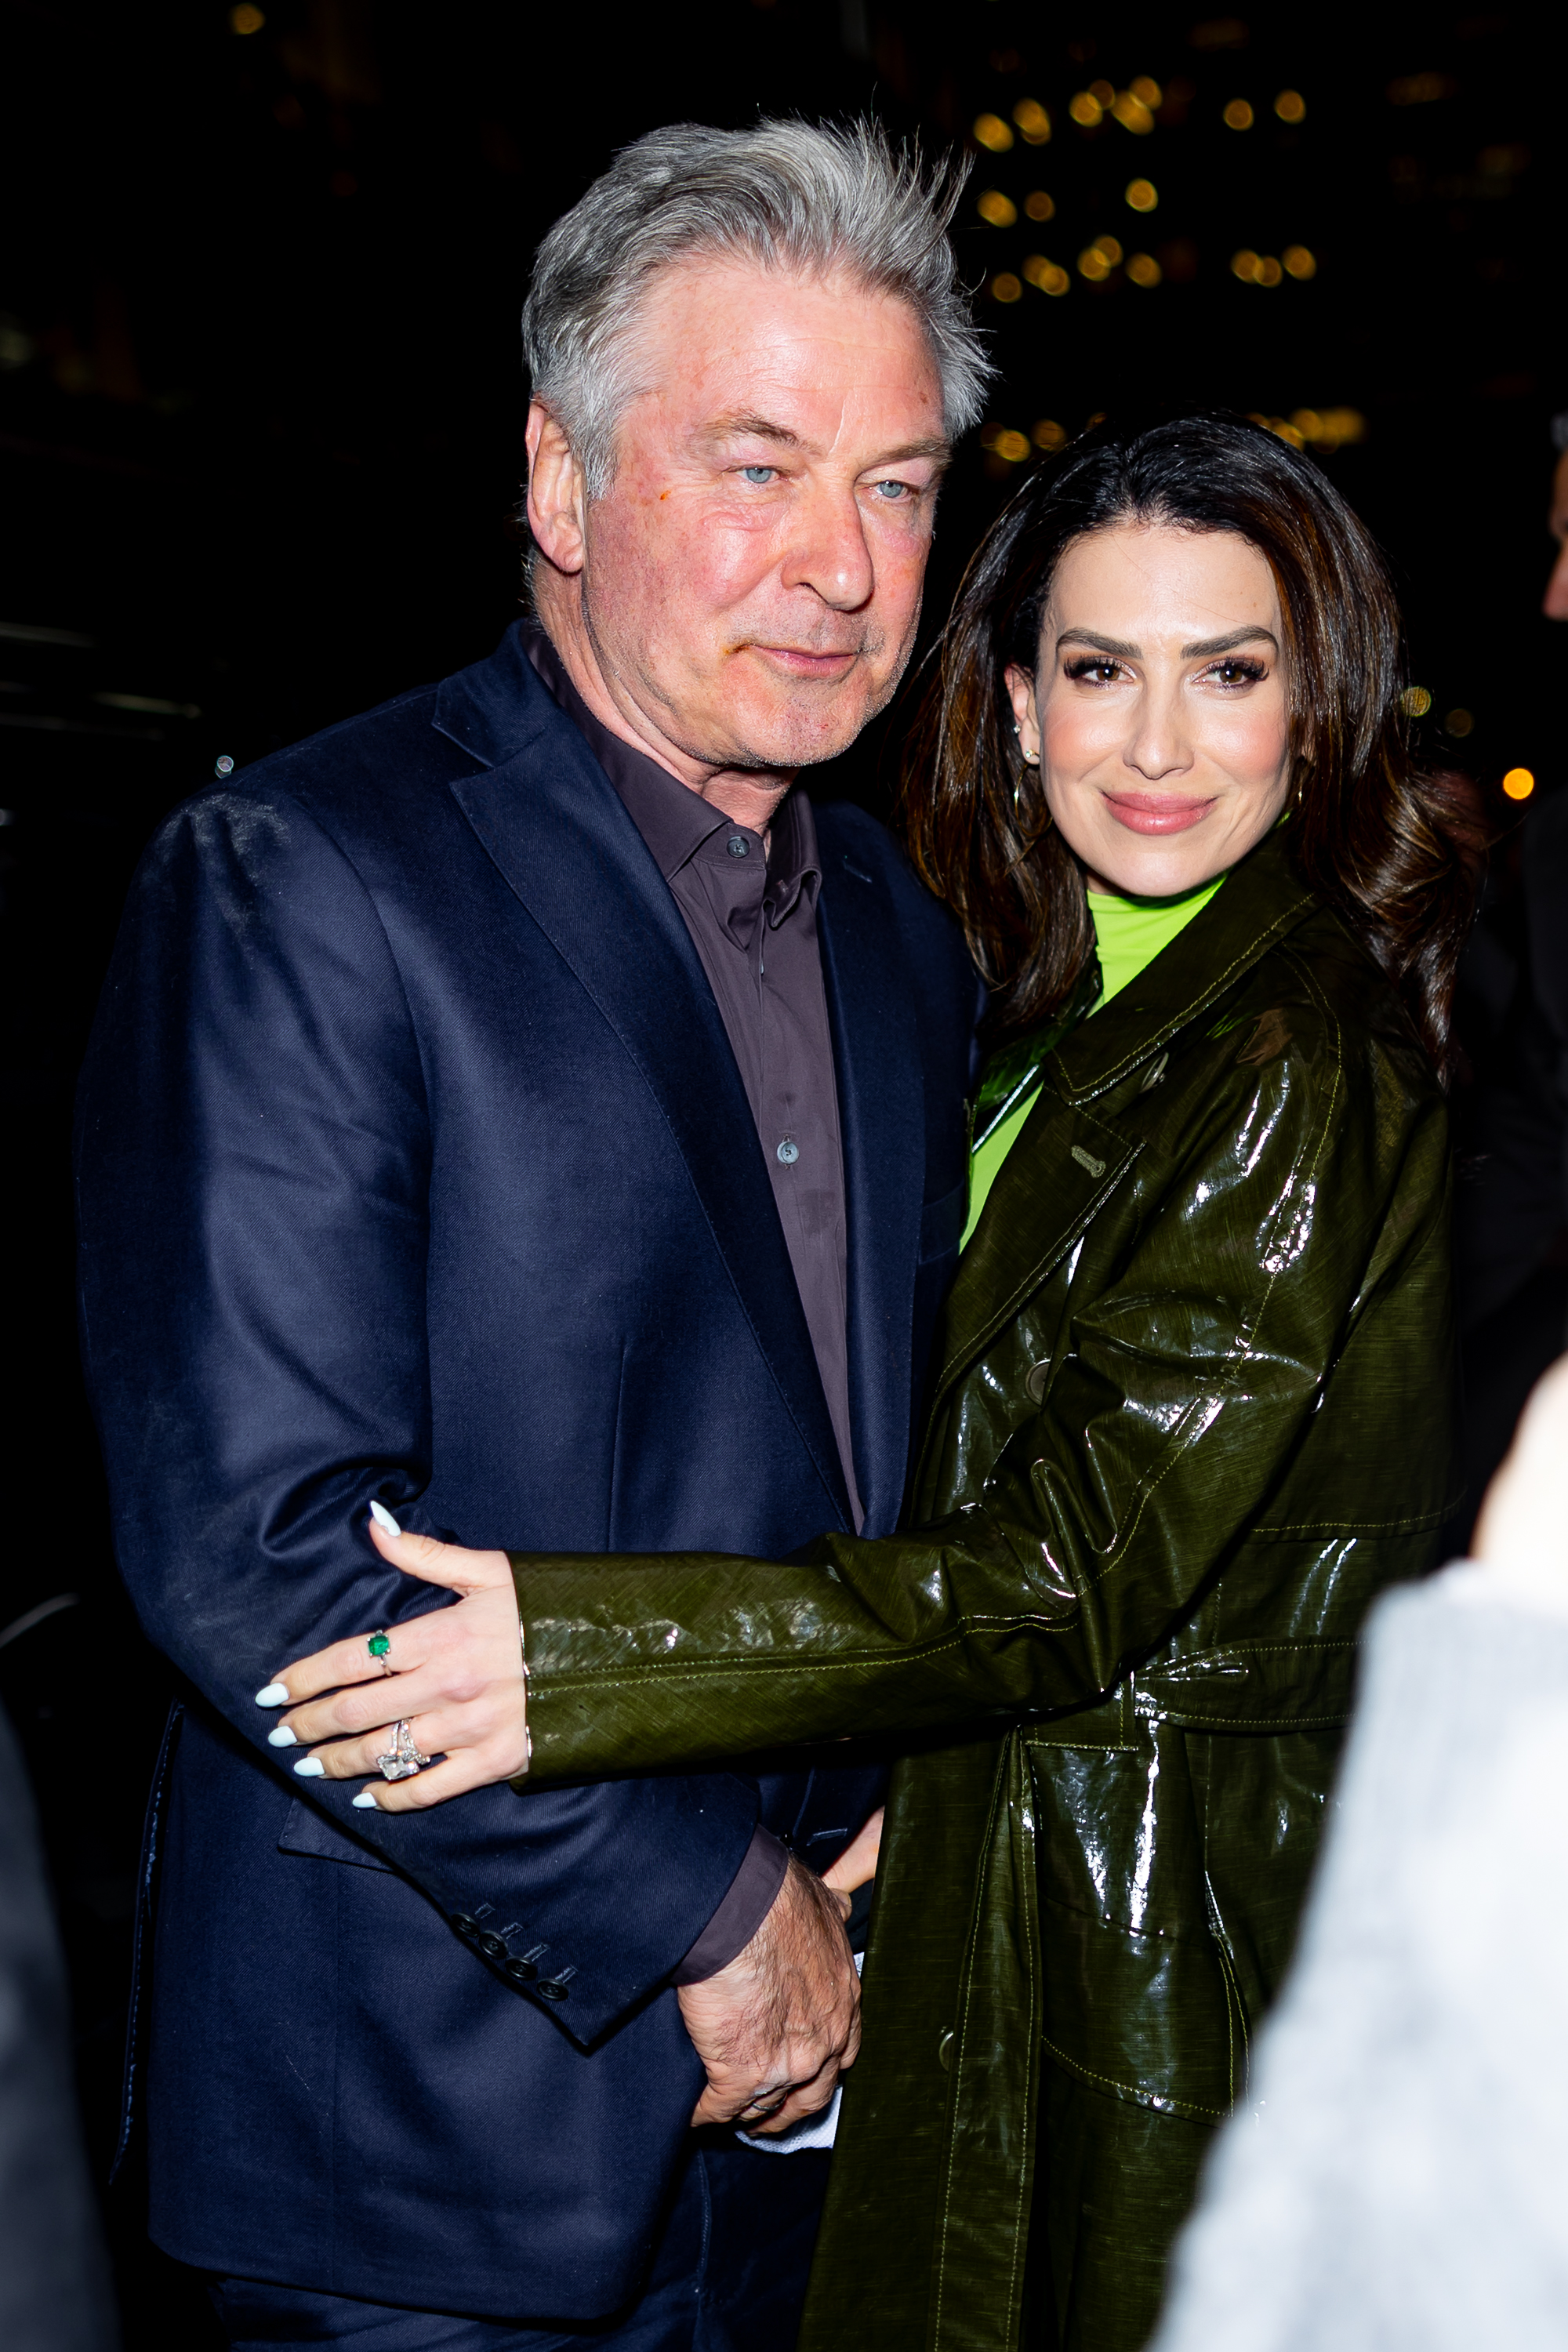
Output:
x=519 y=1111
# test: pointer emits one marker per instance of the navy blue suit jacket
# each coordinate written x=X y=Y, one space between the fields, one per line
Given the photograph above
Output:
x=414 y=1161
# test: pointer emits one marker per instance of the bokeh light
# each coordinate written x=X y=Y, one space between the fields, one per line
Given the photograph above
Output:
x=1147 y=92
x=1038 y=205
x=1299 y=262
x=1048 y=275
x=1290 y=106
x=1005 y=441
x=1142 y=195
x=1093 y=265
x=993 y=207
x=1519 y=784
x=1460 y=723
x=1005 y=288
x=1131 y=113
x=1268 y=272
x=1086 y=110
x=1143 y=269
x=992 y=132
x=1049 y=435
x=1243 y=264
x=1033 y=120
x=1239 y=115
x=246 y=19
x=1416 y=702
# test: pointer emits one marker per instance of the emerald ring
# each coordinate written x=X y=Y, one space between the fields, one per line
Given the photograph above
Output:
x=380 y=1648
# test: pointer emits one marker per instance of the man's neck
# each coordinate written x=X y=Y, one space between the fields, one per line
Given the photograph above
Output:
x=747 y=796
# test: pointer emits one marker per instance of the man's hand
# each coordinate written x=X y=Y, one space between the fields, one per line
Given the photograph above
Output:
x=778 y=2026
x=455 y=1677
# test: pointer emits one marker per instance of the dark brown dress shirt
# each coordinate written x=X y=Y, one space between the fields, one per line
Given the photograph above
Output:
x=751 y=908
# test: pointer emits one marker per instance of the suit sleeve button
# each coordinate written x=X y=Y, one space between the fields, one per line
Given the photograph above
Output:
x=465 y=1925
x=492 y=1947
x=552 y=1989
x=521 y=1971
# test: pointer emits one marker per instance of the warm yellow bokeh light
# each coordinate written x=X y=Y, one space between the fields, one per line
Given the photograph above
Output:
x=1147 y=92
x=1142 y=195
x=1243 y=264
x=1104 y=94
x=996 y=208
x=1416 y=702
x=1519 y=784
x=1143 y=269
x=1013 y=446
x=1085 y=109
x=1048 y=275
x=1268 y=272
x=1299 y=262
x=1033 y=120
x=246 y=19
x=1460 y=722
x=1038 y=205
x=1131 y=113
x=1290 y=106
x=1093 y=265
x=992 y=132
x=1239 y=115
x=1006 y=288
x=1049 y=435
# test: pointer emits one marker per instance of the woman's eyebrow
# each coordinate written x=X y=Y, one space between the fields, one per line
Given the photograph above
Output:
x=1102 y=645
x=1203 y=647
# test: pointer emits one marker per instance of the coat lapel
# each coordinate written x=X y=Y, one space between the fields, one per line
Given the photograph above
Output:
x=881 y=1112
x=1068 y=1160
x=556 y=827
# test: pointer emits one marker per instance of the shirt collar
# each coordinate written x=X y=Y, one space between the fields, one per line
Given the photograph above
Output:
x=674 y=820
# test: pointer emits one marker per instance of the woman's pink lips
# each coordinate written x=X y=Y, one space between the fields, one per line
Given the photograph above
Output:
x=1156 y=811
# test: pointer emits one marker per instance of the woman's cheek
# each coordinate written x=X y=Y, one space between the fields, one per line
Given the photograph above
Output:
x=1252 y=744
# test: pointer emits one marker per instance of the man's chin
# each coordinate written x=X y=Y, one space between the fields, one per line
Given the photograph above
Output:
x=802 y=733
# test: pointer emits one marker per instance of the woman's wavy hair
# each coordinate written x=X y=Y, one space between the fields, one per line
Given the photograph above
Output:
x=1394 y=847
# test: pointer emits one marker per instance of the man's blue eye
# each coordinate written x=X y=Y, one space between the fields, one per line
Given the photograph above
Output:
x=891 y=491
x=759 y=472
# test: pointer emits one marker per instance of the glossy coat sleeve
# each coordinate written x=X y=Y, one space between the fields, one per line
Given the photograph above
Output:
x=253 y=1158
x=1189 y=1381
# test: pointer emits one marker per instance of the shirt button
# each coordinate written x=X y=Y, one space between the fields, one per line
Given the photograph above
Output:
x=789 y=1151
x=738 y=845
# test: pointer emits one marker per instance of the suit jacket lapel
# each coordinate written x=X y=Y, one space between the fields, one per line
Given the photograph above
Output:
x=556 y=829
x=881 y=1113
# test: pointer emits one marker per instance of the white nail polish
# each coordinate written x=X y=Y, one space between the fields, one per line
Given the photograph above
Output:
x=275 y=1694
x=282 y=1738
x=311 y=1768
x=365 y=1802
x=385 y=1521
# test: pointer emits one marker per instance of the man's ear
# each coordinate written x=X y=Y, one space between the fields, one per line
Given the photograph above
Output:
x=556 y=500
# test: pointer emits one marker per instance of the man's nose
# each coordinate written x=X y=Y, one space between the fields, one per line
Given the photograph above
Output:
x=829 y=550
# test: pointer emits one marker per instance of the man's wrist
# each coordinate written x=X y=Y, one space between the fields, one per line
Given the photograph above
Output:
x=753 y=1891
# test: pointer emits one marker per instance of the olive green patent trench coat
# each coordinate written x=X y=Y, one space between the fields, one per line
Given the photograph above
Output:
x=1192 y=1412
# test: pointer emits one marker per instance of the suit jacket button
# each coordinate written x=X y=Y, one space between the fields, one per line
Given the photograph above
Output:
x=492 y=1947
x=465 y=1925
x=521 y=1971
x=1036 y=1383
x=552 y=1991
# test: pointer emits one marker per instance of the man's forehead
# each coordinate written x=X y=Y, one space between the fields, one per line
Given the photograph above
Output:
x=745 y=340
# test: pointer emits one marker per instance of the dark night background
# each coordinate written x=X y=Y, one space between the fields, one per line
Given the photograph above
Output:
x=261 y=437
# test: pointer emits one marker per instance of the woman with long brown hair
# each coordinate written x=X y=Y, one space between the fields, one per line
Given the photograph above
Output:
x=1189 y=1412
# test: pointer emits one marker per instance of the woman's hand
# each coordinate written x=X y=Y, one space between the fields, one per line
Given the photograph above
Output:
x=455 y=1677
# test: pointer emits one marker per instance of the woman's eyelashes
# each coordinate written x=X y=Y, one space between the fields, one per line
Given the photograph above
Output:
x=1231 y=672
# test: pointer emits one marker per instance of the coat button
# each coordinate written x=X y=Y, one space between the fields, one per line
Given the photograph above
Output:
x=465 y=1925
x=521 y=1971
x=551 y=1988
x=737 y=846
x=492 y=1947
x=1036 y=1383
x=789 y=1151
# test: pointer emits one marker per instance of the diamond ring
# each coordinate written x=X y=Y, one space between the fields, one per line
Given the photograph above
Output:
x=402 y=1759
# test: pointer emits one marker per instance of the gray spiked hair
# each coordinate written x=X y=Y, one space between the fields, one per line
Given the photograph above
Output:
x=819 y=197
